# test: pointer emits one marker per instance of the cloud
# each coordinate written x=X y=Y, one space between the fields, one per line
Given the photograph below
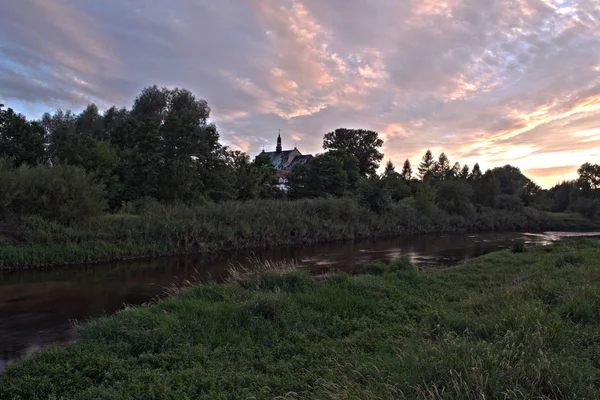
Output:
x=489 y=81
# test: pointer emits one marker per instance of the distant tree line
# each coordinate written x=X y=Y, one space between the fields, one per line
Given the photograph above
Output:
x=66 y=166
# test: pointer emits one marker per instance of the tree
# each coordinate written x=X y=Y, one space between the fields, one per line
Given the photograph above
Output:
x=425 y=198
x=512 y=181
x=176 y=154
x=406 y=173
x=585 y=198
x=455 y=171
x=486 y=189
x=427 y=166
x=390 y=170
x=476 y=173
x=255 y=179
x=561 y=196
x=351 y=167
x=65 y=146
x=363 y=144
x=392 y=182
x=589 y=177
x=441 y=169
x=453 y=196
x=2 y=114
x=21 y=140
x=89 y=123
x=322 y=176
x=374 y=194
x=464 y=173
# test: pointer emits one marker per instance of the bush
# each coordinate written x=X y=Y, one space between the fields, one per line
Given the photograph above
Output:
x=454 y=198
x=425 y=199
x=8 y=182
x=62 y=193
x=518 y=247
x=373 y=195
x=509 y=203
x=587 y=207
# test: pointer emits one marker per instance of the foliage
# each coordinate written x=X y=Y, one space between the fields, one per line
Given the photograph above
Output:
x=509 y=203
x=486 y=189
x=464 y=173
x=427 y=166
x=476 y=173
x=407 y=172
x=322 y=176
x=374 y=194
x=425 y=198
x=149 y=228
x=454 y=197
x=361 y=143
x=63 y=193
x=518 y=247
x=165 y=150
x=441 y=168
x=589 y=177
x=518 y=325
x=21 y=140
x=561 y=196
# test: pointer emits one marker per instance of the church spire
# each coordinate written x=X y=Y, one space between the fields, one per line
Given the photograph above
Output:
x=278 y=149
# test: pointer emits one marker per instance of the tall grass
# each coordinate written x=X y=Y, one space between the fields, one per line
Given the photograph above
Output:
x=503 y=326
x=166 y=230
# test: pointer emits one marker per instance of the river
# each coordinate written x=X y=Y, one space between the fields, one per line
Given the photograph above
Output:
x=38 y=307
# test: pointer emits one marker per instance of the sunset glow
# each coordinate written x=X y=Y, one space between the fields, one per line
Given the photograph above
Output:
x=493 y=82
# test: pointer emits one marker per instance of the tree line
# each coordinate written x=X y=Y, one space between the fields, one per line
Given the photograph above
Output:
x=66 y=166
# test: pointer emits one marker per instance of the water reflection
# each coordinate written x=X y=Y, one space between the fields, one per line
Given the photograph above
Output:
x=38 y=307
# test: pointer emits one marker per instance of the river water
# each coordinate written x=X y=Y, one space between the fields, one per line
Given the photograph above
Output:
x=38 y=307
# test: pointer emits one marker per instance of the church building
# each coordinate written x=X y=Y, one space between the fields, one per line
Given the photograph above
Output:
x=285 y=160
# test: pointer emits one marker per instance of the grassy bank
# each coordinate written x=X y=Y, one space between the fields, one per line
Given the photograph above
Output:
x=503 y=326
x=169 y=230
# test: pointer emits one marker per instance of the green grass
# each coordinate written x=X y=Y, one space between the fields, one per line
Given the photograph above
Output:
x=504 y=326
x=174 y=230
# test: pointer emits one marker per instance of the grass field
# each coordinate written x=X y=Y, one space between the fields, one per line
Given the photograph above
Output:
x=509 y=325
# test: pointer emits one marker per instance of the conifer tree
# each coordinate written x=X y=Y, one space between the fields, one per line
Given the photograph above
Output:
x=406 y=173
x=426 y=166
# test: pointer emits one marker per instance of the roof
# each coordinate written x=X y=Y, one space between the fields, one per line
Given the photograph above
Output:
x=300 y=160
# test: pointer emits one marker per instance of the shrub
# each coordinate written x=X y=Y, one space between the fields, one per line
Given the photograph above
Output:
x=63 y=193
x=509 y=203
x=373 y=195
x=454 y=197
x=518 y=247
x=425 y=199
x=8 y=182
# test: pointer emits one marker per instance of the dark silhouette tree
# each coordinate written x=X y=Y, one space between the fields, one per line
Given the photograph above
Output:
x=453 y=196
x=322 y=176
x=427 y=166
x=21 y=140
x=363 y=144
x=589 y=177
x=390 y=170
x=476 y=173
x=407 y=172
x=441 y=169
x=464 y=173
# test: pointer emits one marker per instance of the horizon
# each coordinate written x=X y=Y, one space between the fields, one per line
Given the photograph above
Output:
x=493 y=82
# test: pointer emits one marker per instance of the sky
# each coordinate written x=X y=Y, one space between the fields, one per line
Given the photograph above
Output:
x=488 y=81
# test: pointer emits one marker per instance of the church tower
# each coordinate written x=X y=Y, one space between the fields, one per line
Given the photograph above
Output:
x=278 y=148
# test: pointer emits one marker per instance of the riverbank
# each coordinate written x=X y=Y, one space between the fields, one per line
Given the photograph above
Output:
x=163 y=230
x=523 y=325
